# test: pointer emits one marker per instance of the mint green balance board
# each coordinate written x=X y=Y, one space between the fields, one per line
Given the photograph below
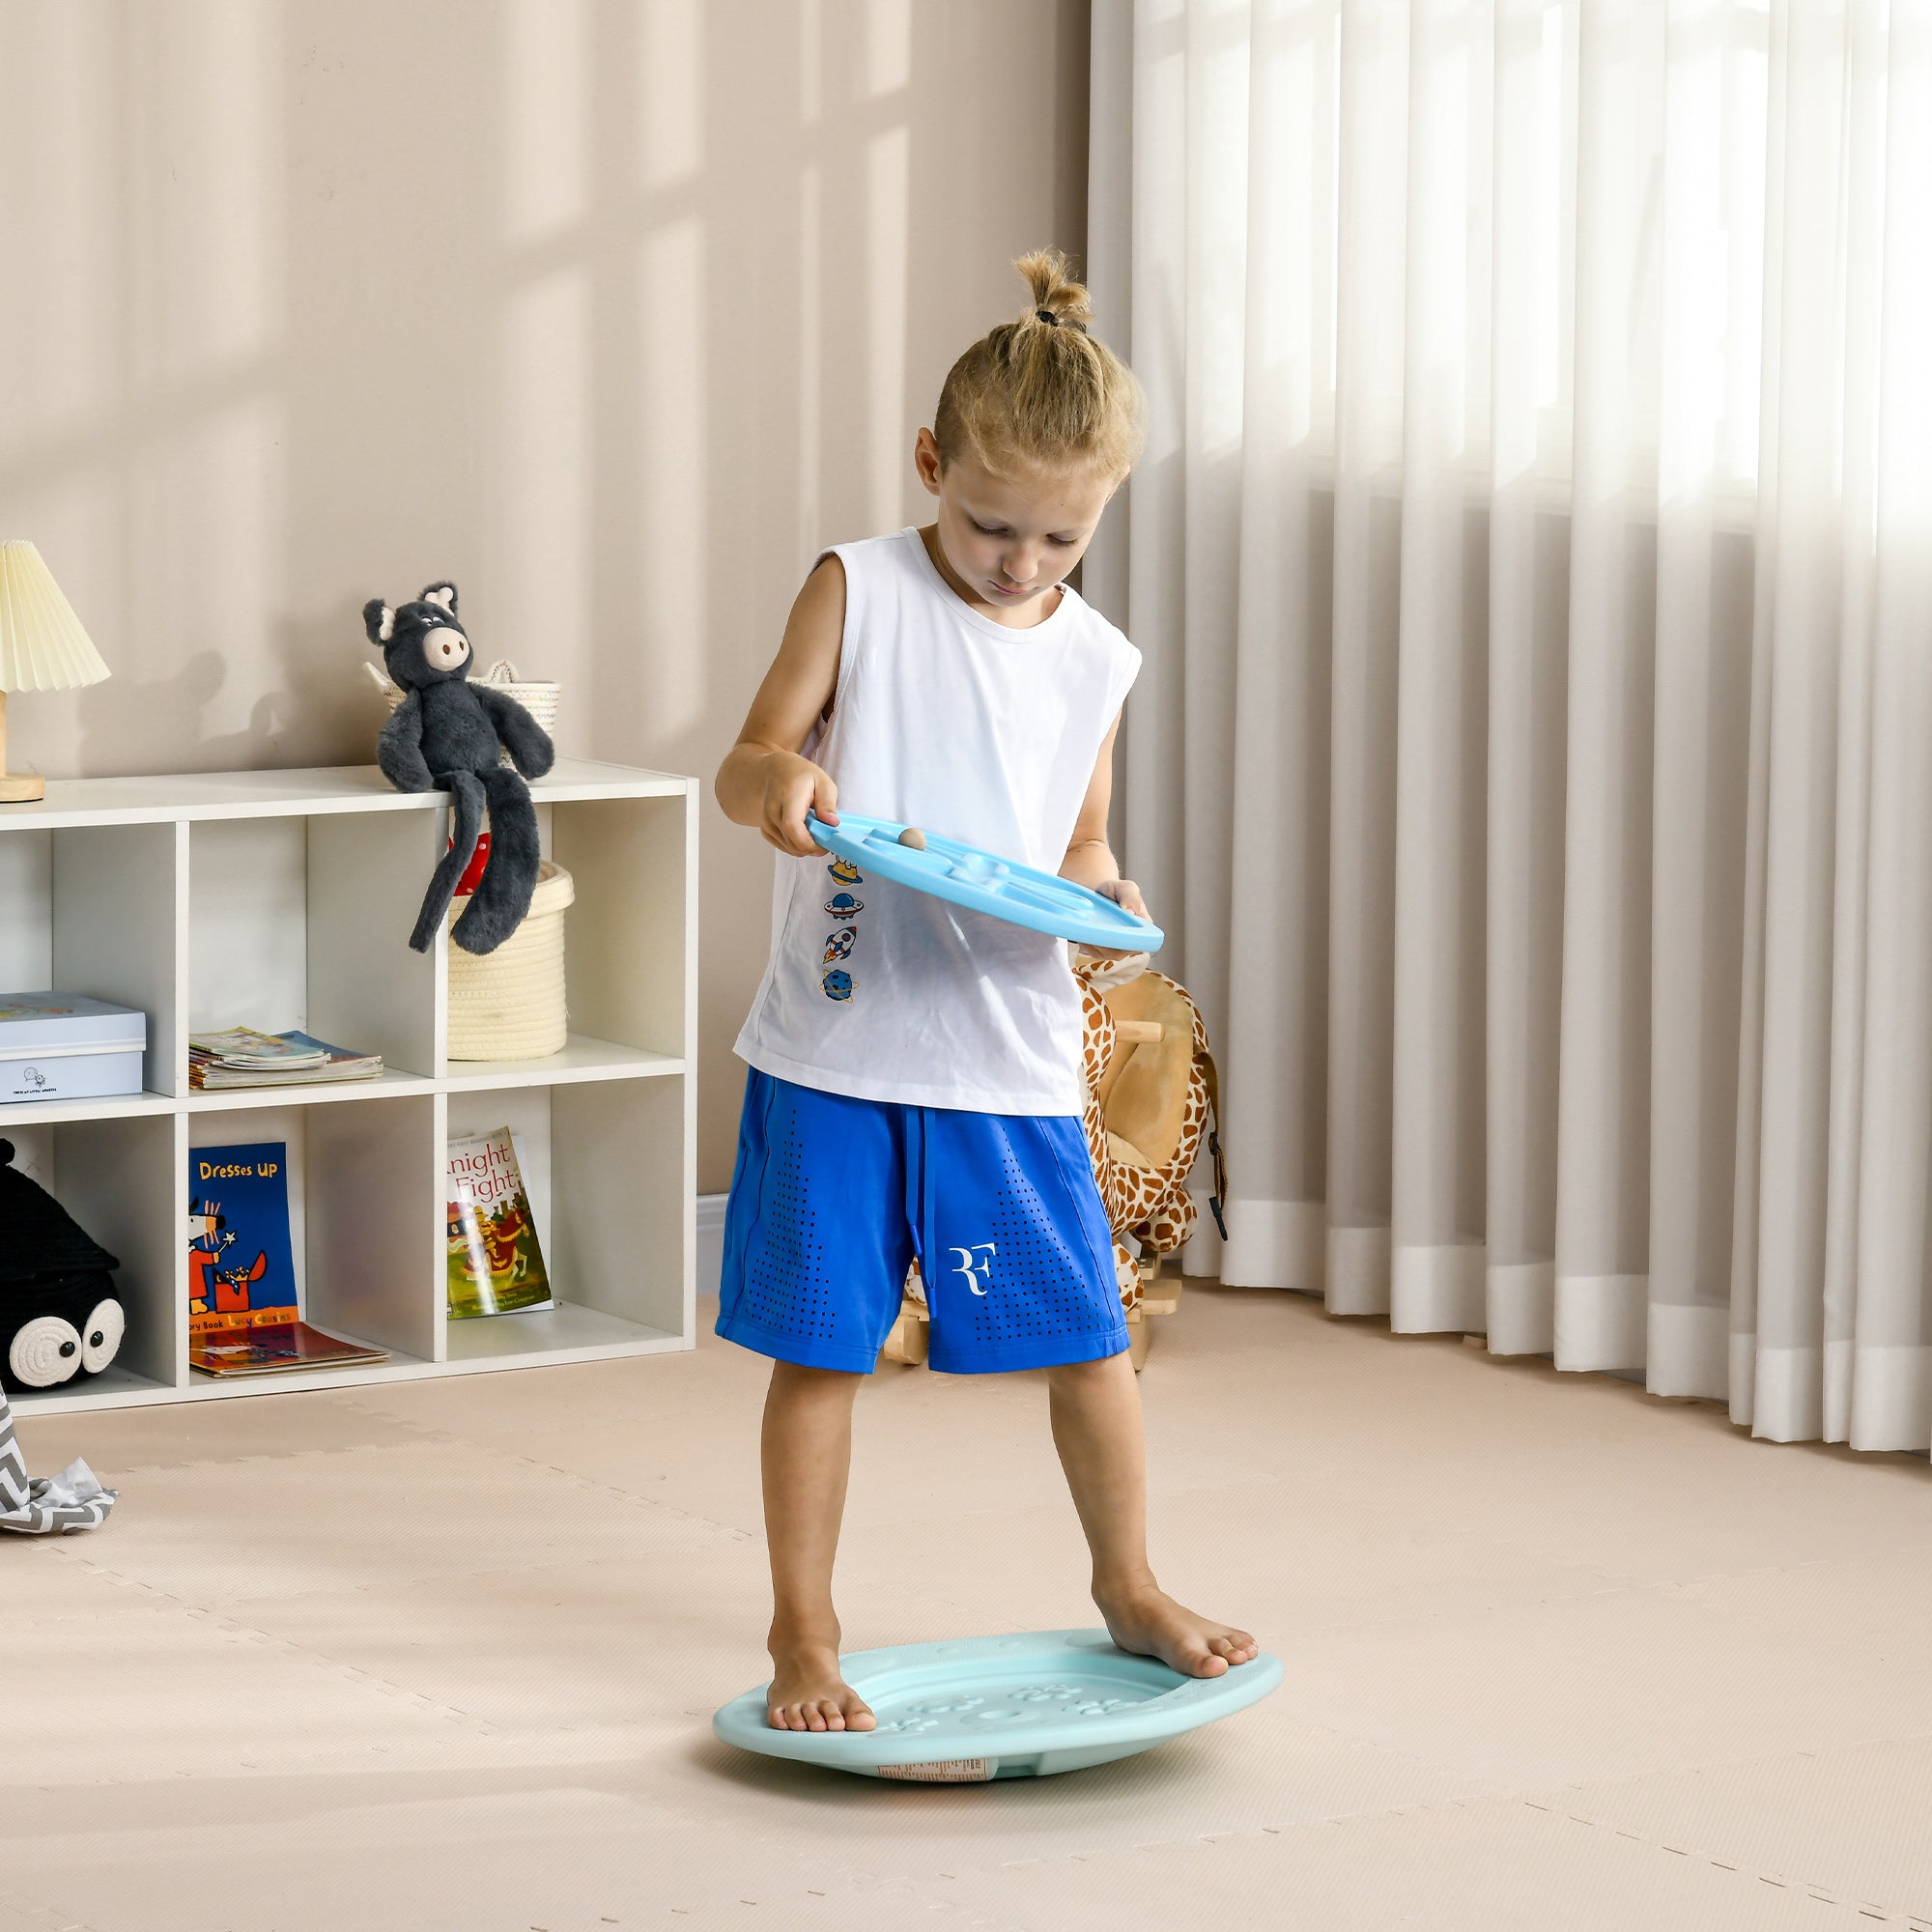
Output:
x=985 y=882
x=986 y=1707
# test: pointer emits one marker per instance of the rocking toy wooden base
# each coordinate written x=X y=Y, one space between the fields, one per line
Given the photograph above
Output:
x=908 y=1340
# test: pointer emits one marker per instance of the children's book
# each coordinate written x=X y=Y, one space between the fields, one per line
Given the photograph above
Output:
x=241 y=1264
x=242 y=1316
x=243 y=1057
x=496 y=1267
x=272 y=1350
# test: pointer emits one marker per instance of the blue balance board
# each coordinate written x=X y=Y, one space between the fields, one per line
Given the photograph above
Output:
x=1026 y=1706
x=983 y=881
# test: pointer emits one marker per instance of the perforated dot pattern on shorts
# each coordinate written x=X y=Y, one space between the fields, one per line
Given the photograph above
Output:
x=787 y=1290
x=1040 y=1277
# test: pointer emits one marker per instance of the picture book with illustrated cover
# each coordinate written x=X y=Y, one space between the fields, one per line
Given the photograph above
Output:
x=242 y=1314
x=273 y=1350
x=496 y=1266
x=241 y=1265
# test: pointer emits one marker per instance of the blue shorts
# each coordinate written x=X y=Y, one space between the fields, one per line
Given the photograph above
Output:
x=833 y=1197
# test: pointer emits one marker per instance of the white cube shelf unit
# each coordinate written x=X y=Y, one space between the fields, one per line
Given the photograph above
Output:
x=286 y=899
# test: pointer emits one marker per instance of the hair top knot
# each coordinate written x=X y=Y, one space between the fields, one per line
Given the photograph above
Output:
x=1042 y=393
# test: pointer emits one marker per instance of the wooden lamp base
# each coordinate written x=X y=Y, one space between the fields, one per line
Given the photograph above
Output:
x=15 y=787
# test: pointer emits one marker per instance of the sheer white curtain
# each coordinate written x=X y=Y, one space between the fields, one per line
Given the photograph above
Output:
x=1533 y=557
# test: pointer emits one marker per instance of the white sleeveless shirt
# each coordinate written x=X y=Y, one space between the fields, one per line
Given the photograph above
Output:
x=944 y=719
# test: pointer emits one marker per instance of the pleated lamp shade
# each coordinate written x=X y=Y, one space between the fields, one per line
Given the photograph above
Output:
x=42 y=647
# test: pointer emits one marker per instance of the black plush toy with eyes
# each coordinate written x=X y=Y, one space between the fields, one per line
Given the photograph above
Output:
x=59 y=1317
x=447 y=733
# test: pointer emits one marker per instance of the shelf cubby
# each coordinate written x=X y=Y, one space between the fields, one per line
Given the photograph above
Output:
x=303 y=921
x=117 y=1178
x=96 y=908
x=625 y=967
x=364 y=1185
x=611 y=1215
x=286 y=899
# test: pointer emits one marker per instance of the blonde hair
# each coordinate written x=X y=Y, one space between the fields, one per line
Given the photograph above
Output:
x=1042 y=393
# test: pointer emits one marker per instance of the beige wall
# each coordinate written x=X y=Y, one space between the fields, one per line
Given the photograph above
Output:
x=614 y=312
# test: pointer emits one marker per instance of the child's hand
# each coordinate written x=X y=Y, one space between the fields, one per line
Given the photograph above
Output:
x=1127 y=896
x=794 y=787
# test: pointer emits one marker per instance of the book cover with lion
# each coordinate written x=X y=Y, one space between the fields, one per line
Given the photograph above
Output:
x=496 y=1264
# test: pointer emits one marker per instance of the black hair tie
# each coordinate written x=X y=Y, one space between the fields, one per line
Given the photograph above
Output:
x=1047 y=316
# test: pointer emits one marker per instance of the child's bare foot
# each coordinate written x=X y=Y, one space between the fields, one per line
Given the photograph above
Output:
x=807 y=1692
x=1146 y=1621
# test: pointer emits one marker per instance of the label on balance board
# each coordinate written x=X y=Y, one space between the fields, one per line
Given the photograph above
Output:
x=945 y=1771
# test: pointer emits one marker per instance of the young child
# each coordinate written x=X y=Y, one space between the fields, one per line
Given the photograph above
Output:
x=915 y=1067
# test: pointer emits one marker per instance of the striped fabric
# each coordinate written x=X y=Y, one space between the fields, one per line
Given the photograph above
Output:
x=53 y=1505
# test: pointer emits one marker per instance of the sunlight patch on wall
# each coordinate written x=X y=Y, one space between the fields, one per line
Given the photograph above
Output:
x=672 y=548
x=888 y=46
x=544 y=502
x=811 y=62
x=670 y=91
x=209 y=184
x=60 y=291
x=546 y=106
x=888 y=193
x=810 y=359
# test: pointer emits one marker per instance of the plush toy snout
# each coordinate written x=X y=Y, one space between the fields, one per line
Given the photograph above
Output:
x=444 y=648
x=421 y=642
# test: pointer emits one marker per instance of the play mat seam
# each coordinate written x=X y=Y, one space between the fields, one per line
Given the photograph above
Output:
x=448 y=1438
x=248 y=1633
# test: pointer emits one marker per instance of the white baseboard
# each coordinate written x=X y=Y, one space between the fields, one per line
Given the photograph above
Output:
x=710 y=1242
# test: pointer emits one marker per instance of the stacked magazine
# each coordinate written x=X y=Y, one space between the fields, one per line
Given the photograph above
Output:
x=243 y=1057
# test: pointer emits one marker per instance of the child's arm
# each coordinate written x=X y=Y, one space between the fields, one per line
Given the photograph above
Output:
x=1090 y=860
x=763 y=780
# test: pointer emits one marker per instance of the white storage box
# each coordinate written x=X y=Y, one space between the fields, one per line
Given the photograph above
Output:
x=63 y=1046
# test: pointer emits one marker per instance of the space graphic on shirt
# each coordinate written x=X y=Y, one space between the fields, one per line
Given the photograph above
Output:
x=838 y=983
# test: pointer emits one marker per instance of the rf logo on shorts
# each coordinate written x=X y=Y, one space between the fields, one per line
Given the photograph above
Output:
x=976 y=1270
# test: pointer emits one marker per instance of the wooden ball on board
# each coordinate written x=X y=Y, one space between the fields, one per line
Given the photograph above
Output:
x=912 y=836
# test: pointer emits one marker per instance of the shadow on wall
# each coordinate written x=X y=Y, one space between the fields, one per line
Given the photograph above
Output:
x=612 y=310
x=601 y=308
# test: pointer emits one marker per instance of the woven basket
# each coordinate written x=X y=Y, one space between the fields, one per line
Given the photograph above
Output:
x=537 y=696
x=508 y=1005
